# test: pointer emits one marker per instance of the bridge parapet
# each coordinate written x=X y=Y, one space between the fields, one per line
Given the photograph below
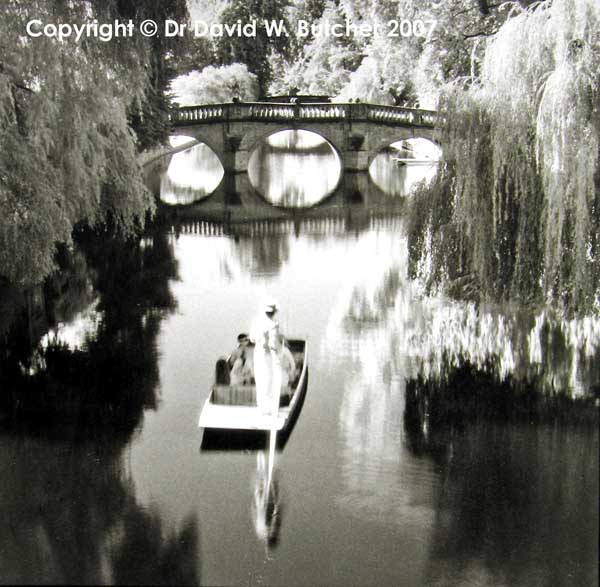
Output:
x=312 y=112
x=401 y=115
x=195 y=114
x=357 y=131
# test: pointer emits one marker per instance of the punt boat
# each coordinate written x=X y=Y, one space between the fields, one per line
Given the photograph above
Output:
x=233 y=407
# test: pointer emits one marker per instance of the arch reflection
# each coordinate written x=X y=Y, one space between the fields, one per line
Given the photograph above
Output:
x=192 y=175
x=294 y=168
x=399 y=168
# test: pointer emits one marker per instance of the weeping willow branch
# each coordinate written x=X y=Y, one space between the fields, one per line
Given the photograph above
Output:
x=524 y=142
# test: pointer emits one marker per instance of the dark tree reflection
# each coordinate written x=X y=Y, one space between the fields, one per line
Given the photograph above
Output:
x=145 y=556
x=510 y=459
x=102 y=385
x=70 y=509
x=70 y=516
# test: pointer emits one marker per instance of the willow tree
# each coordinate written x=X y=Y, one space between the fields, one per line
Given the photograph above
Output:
x=521 y=179
x=67 y=152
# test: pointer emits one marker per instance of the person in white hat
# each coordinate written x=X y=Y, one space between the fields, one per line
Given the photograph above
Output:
x=267 y=356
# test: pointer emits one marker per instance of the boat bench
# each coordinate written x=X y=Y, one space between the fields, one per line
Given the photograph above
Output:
x=240 y=395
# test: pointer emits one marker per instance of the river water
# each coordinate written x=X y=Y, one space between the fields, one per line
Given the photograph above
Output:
x=373 y=486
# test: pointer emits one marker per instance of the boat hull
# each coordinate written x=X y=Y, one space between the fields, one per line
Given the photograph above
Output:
x=228 y=416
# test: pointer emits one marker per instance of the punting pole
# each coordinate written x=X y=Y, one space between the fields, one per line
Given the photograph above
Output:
x=273 y=433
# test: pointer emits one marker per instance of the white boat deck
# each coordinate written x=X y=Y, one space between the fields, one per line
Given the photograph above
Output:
x=240 y=417
x=237 y=411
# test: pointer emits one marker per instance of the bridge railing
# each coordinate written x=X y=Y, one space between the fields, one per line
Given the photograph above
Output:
x=193 y=114
x=401 y=115
x=322 y=111
x=326 y=111
x=260 y=111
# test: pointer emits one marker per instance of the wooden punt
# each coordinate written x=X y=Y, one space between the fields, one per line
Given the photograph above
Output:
x=400 y=161
x=233 y=407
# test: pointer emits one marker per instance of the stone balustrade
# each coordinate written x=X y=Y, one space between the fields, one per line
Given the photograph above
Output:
x=311 y=112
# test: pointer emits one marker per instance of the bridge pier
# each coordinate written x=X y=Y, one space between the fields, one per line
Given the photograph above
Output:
x=355 y=156
x=234 y=161
x=355 y=161
x=233 y=158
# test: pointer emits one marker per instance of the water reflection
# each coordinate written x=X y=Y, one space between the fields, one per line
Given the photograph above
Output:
x=404 y=165
x=509 y=497
x=81 y=361
x=262 y=256
x=267 y=508
x=294 y=168
x=399 y=180
x=558 y=354
x=192 y=175
x=386 y=485
x=494 y=501
x=70 y=516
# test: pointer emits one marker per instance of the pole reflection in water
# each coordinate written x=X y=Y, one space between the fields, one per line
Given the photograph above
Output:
x=266 y=503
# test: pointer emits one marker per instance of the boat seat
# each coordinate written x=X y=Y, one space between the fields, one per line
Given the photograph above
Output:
x=241 y=395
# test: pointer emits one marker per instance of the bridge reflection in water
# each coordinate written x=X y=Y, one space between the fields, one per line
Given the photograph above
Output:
x=293 y=168
x=356 y=206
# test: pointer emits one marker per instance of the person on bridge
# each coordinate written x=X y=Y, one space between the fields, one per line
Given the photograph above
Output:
x=268 y=351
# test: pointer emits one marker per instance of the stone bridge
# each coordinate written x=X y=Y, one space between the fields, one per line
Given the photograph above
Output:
x=358 y=132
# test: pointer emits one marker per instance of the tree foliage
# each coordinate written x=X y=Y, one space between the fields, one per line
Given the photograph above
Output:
x=67 y=151
x=215 y=85
x=322 y=63
x=162 y=56
x=255 y=52
x=522 y=148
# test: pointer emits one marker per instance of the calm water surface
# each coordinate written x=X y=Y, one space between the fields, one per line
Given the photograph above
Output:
x=369 y=490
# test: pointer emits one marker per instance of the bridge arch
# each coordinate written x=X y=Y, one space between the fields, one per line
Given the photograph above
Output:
x=251 y=143
x=387 y=138
x=210 y=135
x=317 y=176
x=357 y=132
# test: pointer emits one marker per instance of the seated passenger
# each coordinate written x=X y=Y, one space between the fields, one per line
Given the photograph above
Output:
x=222 y=372
x=241 y=372
x=241 y=362
x=243 y=342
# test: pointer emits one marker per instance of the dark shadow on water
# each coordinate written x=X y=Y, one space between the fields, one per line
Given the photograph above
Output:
x=70 y=516
x=517 y=502
x=70 y=407
x=100 y=385
x=463 y=394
